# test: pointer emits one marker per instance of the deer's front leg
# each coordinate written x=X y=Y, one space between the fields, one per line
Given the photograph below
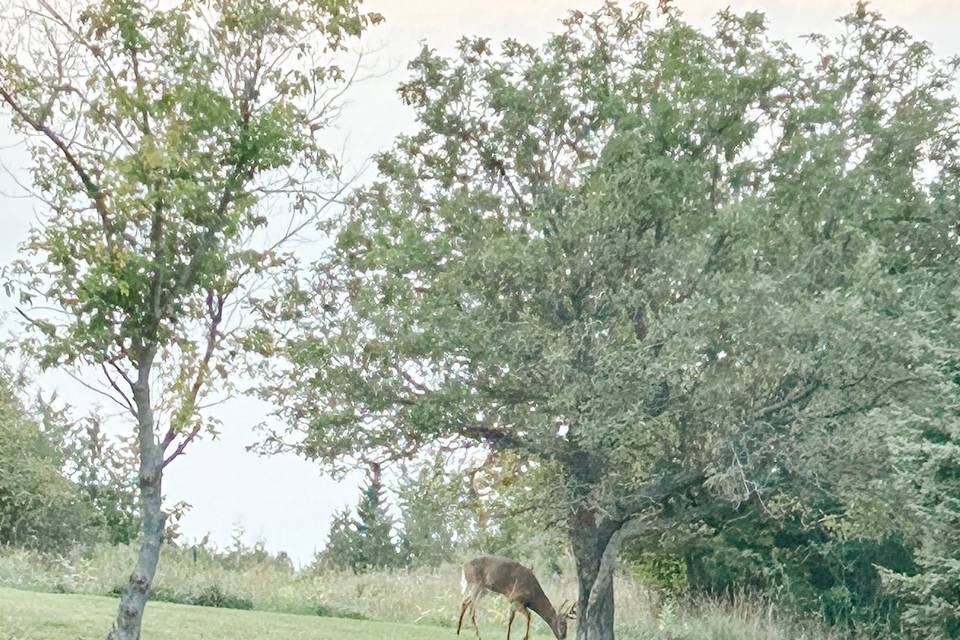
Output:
x=526 y=612
x=513 y=612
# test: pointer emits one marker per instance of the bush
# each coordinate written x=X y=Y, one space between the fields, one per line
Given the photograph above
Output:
x=809 y=569
x=329 y=611
x=210 y=596
x=39 y=507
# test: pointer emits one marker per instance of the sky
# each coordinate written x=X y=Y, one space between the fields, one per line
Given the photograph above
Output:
x=285 y=501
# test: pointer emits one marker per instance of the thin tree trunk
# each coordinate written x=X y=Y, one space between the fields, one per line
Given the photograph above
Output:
x=134 y=598
x=595 y=599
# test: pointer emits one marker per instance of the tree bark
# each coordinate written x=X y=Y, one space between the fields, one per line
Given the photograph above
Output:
x=595 y=606
x=134 y=598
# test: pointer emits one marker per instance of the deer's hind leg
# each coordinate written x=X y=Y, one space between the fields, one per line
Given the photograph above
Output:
x=473 y=618
x=513 y=612
x=463 y=610
x=526 y=612
x=471 y=602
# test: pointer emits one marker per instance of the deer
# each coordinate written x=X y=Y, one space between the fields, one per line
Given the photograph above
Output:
x=518 y=584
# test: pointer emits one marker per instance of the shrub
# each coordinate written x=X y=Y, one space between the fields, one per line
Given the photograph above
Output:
x=329 y=611
x=210 y=596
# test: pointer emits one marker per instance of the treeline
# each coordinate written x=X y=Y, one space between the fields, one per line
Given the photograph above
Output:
x=826 y=569
x=432 y=514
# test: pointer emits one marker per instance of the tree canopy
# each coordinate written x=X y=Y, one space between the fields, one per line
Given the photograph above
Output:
x=679 y=270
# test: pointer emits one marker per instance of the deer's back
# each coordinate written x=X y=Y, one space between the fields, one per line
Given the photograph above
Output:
x=502 y=575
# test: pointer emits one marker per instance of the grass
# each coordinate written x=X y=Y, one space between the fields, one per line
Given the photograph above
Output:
x=423 y=596
x=29 y=615
x=26 y=615
x=292 y=604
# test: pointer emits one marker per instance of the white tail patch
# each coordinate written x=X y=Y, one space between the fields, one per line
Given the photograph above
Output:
x=463 y=582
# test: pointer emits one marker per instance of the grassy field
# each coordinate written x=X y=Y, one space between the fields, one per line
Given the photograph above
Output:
x=27 y=615
x=64 y=597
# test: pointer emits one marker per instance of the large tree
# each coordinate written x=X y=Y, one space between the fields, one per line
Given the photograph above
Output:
x=165 y=138
x=665 y=265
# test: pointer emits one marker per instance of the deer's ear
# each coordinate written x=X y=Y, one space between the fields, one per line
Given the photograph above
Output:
x=572 y=612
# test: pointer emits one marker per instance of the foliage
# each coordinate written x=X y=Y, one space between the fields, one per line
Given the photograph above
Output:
x=209 y=596
x=431 y=516
x=61 y=470
x=928 y=461
x=327 y=611
x=103 y=467
x=375 y=526
x=809 y=567
x=683 y=271
x=39 y=507
x=664 y=571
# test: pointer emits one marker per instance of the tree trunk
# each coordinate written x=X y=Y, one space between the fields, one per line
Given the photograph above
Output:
x=134 y=598
x=595 y=598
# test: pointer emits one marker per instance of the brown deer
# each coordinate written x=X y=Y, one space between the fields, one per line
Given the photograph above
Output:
x=518 y=585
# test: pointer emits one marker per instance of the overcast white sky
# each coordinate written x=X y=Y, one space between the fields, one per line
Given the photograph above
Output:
x=285 y=501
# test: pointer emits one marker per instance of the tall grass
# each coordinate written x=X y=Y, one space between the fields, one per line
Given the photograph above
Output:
x=420 y=596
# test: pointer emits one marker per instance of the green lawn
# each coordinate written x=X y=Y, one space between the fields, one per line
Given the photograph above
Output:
x=27 y=615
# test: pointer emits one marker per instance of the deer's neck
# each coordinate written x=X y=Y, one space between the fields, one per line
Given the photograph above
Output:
x=542 y=607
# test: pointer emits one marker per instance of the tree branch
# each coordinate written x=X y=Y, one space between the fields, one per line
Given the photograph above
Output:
x=92 y=189
x=797 y=395
x=631 y=528
x=215 y=306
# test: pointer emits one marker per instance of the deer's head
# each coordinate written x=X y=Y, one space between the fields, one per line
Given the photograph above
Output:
x=564 y=613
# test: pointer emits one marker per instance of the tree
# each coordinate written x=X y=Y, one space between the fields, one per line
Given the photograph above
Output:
x=105 y=468
x=162 y=141
x=927 y=457
x=366 y=541
x=374 y=525
x=667 y=265
x=340 y=551
x=430 y=515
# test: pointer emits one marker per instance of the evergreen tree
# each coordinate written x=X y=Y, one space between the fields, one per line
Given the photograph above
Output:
x=928 y=464
x=374 y=525
x=366 y=541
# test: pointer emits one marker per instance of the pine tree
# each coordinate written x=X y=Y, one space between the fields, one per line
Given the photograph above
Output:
x=365 y=541
x=374 y=525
